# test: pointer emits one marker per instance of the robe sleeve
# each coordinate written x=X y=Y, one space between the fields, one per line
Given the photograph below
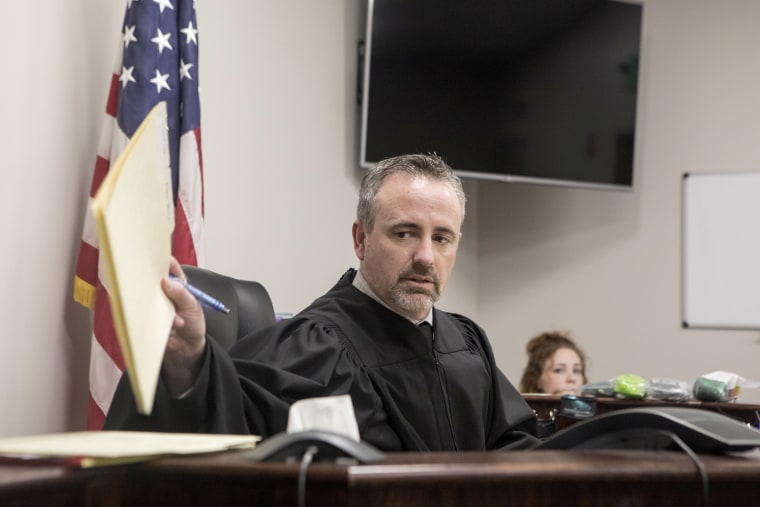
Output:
x=512 y=423
x=250 y=389
x=303 y=358
x=520 y=418
x=194 y=412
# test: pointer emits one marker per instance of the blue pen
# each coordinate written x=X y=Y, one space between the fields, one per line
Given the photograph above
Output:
x=202 y=297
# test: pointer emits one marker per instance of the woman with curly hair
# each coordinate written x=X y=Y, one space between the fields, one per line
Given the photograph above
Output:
x=556 y=365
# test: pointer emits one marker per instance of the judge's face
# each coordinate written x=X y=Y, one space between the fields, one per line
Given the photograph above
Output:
x=408 y=256
x=562 y=373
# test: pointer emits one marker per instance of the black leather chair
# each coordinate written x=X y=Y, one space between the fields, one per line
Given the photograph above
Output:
x=249 y=303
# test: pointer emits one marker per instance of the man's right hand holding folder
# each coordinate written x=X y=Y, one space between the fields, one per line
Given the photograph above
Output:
x=187 y=339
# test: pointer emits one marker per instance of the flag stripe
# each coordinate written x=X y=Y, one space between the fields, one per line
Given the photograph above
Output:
x=104 y=375
x=189 y=217
x=96 y=415
x=101 y=169
x=113 y=96
x=103 y=326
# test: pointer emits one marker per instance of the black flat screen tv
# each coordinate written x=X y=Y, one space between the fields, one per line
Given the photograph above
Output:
x=534 y=91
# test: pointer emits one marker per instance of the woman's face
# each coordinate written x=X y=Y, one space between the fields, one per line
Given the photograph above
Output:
x=562 y=373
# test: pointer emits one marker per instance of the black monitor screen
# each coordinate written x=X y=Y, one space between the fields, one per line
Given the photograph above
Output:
x=540 y=91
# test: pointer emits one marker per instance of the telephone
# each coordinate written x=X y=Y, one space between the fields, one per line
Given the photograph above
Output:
x=702 y=430
x=329 y=446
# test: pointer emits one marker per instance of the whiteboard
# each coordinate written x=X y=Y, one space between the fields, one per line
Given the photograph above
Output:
x=721 y=250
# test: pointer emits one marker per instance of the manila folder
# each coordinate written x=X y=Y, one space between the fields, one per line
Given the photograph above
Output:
x=134 y=214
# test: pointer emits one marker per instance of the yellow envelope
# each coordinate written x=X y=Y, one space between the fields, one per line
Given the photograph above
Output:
x=134 y=213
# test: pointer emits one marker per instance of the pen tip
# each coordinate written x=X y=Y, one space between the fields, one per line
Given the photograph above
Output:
x=226 y=310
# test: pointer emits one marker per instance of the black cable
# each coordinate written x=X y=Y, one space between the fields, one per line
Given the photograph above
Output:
x=306 y=460
x=698 y=463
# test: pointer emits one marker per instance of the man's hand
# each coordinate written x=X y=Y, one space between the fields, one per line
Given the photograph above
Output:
x=187 y=339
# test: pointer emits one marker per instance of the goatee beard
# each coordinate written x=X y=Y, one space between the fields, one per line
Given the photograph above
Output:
x=416 y=299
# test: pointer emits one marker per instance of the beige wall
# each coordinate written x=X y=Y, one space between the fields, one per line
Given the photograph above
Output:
x=279 y=118
x=280 y=142
x=607 y=266
x=55 y=57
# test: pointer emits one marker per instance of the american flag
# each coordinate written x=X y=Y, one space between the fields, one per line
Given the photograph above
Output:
x=157 y=61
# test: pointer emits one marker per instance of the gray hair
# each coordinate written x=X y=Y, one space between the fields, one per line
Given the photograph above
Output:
x=431 y=167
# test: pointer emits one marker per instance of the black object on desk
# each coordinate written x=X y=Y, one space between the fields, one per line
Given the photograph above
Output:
x=654 y=428
x=577 y=407
x=329 y=447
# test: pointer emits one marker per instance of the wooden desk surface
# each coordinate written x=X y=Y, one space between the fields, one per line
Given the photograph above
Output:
x=547 y=406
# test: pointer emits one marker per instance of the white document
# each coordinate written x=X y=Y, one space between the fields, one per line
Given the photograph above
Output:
x=98 y=448
x=327 y=413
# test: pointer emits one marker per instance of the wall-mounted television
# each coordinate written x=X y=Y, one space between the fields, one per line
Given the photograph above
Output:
x=534 y=91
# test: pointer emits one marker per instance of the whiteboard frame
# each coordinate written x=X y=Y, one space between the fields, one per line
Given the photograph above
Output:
x=721 y=250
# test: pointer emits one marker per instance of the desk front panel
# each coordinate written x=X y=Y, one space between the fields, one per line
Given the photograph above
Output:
x=60 y=486
x=539 y=478
x=594 y=478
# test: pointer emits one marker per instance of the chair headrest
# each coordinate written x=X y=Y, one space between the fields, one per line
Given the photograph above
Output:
x=249 y=303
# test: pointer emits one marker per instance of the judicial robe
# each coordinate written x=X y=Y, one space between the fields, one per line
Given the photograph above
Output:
x=408 y=392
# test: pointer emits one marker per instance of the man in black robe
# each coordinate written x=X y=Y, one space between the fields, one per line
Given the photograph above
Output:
x=412 y=387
